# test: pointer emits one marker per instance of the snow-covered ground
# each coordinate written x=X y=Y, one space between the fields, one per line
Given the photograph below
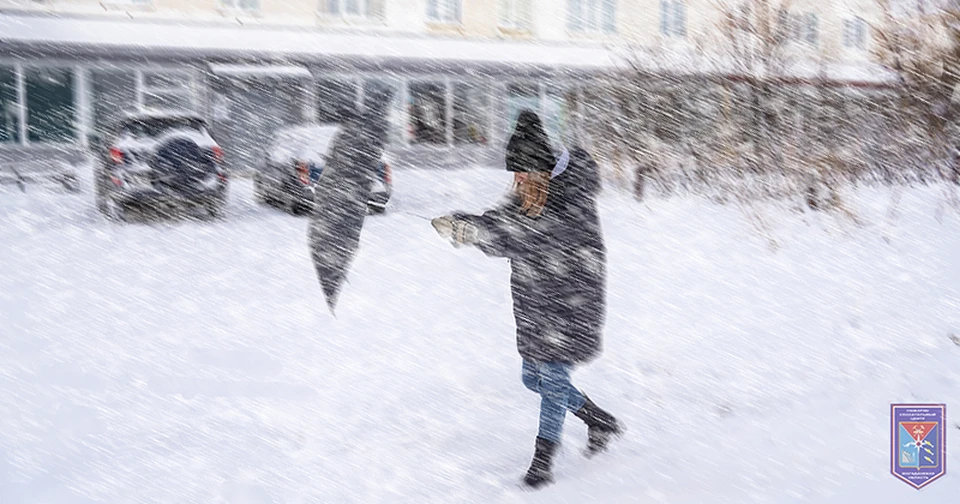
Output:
x=752 y=351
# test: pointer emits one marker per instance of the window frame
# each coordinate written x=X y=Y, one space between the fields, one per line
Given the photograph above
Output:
x=448 y=12
x=398 y=83
x=366 y=14
x=673 y=19
x=811 y=29
x=187 y=91
x=544 y=89
x=486 y=114
x=17 y=117
x=234 y=6
x=855 y=34
x=515 y=14
x=598 y=24
x=77 y=128
x=447 y=109
x=801 y=28
x=83 y=97
x=91 y=76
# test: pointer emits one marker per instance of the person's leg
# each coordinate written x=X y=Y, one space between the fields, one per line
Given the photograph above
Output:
x=551 y=381
x=575 y=398
x=601 y=426
x=557 y=394
x=531 y=377
x=530 y=374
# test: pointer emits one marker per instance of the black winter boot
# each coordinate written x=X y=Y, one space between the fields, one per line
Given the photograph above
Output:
x=540 y=473
x=601 y=427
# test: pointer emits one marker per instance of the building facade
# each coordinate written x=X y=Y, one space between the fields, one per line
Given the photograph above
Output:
x=459 y=70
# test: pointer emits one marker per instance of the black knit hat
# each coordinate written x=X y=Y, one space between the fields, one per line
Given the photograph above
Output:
x=529 y=149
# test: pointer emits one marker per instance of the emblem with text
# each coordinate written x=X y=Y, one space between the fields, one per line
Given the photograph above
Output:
x=918 y=442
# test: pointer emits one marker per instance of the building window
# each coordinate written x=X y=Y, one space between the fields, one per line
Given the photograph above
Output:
x=855 y=33
x=428 y=112
x=673 y=18
x=444 y=11
x=515 y=14
x=380 y=93
x=51 y=112
x=592 y=16
x=9 y=106
x=371 y=9
x=521 y=96
x=471 y=112
x=559 y=107
x=245 y=5
x=336 y=100
x=811 y=28
x=114 y=93
x=802 y=28
x=166 y=90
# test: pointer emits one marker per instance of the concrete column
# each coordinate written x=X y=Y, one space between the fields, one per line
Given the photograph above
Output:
x=83 y=100
x=22 y=103
x=448 y=90
x=309 y=99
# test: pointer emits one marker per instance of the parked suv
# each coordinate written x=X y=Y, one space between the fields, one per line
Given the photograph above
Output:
x=158 y=160
x=294 y=161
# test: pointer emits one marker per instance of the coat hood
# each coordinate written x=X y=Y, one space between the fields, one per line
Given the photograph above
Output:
x=579 y=182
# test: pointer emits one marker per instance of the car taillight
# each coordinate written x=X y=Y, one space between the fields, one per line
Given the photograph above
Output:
x=217 y=154
x=116 y=155
x=387 y=174
x=303 y=172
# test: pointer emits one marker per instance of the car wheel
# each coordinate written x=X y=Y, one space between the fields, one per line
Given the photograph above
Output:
x=116 y=211
x=70 y=182
x=298 y=209
x=259 y=194
x=106 y=205
x=215 y=207
x=101 y=198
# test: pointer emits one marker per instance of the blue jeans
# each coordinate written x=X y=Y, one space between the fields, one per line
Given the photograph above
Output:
x=552 y=381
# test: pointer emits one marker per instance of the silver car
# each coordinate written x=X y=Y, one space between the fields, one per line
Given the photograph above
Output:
x=155 y=160
x=293 y=163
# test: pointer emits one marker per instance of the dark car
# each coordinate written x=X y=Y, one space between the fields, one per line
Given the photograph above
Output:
x=160 y=160
x=293 y=163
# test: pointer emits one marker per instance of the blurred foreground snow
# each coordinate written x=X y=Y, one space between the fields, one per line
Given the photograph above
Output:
x=753 y=353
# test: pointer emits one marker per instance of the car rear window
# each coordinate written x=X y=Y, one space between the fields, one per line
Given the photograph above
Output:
x=157 y=126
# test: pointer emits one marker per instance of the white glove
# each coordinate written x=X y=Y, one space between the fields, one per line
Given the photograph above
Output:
x=465 y=233
x=444 y=226
x=459 y=232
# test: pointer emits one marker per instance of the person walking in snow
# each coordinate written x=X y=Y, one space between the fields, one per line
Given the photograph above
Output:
x=550 y=232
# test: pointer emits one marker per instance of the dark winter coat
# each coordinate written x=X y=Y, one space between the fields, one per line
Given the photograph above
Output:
x=557 y=263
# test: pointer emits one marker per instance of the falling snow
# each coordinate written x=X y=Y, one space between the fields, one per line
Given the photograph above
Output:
x=780 y=211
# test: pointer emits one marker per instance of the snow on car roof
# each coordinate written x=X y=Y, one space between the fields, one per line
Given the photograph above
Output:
x=162 y=115
x=316 y=133
x=305 y=142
